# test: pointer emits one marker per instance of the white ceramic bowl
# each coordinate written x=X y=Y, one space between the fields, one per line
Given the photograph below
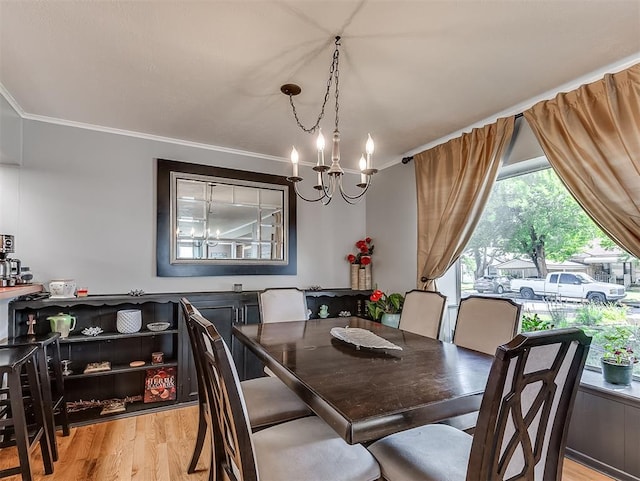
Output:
x=129 y=321
x=158 y=326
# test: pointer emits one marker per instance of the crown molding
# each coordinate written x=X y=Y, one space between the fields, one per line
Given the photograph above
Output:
x=144 y=136
x=141 y=135
x=9 y=98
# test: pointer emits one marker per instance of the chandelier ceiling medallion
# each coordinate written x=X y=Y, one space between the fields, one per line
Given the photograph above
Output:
x=327 y=185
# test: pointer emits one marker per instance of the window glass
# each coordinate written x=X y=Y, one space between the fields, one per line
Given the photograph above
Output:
x=536 y=245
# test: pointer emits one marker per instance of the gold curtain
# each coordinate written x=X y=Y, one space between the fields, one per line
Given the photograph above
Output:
x=454 y=181
x=591 y=137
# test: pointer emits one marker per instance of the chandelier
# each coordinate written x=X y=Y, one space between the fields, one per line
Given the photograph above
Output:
x=329 y=178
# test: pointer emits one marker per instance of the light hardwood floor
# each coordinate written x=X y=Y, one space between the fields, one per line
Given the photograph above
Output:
x=153 y=447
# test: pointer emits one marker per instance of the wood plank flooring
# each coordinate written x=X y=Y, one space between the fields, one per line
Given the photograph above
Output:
x=153 y=447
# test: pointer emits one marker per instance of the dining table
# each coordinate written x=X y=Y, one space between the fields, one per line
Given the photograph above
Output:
x=366 y=393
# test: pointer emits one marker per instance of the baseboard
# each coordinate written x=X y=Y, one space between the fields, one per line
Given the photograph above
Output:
x=599 y=466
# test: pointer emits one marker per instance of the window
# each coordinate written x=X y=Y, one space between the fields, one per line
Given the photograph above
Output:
x=533 y=234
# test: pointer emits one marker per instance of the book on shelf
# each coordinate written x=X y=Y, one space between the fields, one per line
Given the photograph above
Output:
x=97 y=367
x=160 y=385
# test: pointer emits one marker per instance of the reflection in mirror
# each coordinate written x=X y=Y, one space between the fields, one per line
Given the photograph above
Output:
x=216 y=219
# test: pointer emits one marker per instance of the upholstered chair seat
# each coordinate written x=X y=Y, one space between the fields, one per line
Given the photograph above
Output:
x=269 y=401
x=310 y=450
x=429 y=453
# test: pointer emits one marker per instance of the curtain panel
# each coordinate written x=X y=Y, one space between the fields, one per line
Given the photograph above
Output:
x=591 y=137
x=453 y=182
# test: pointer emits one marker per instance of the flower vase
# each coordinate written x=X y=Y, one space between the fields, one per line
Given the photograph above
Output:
x=354 y=276
x=368 y=283
x=391 y=320
x=362 y=278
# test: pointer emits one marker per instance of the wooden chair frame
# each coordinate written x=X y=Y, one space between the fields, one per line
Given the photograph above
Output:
x=231 y=434
x=490 y=455
x=204 y=414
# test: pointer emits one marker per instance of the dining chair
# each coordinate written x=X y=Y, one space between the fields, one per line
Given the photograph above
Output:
x=523 y=421
x=305 y=449
x=484 y=323
x=422 y=313
x=269 y=401
x=282 y=304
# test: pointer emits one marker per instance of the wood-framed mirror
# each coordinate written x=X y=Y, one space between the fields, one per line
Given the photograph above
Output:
x=214 y=221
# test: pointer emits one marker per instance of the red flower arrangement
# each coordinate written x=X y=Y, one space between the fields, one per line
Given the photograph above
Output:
x=365 y=250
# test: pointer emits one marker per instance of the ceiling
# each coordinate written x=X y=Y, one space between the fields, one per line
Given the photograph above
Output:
x=210 y=72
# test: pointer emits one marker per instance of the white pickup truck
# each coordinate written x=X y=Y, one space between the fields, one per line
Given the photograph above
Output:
x=565 y=284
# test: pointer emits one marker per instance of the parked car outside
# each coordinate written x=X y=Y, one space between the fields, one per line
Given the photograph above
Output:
x=495 y=284
x=569 y=284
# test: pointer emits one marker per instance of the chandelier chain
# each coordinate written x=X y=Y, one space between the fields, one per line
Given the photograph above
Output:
x=333 y=72
x=336 y=56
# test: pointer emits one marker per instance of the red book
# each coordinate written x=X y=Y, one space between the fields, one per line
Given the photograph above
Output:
x=160 y=385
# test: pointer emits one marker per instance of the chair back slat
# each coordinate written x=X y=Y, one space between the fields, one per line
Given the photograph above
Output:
x=484 y=323
x=524 y=417
x=422 y=313
x=282 y=304
x=237 y=455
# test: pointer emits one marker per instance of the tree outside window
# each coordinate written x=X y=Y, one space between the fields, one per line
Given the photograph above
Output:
x=534 y=219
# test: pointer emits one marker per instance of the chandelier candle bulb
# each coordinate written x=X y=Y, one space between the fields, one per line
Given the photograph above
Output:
x=294 y=161
x=363 y=166
x=369 y=146
x=320 y=145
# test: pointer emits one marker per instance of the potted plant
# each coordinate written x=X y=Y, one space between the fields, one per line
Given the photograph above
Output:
x=385 y=307
x=618 y=358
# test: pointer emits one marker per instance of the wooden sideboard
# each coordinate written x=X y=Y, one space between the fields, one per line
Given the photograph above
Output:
x=223 y=309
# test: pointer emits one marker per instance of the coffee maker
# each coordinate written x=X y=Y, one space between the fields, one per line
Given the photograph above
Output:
x=9 y=268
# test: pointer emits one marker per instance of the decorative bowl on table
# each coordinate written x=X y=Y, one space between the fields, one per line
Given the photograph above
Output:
x=158 y=326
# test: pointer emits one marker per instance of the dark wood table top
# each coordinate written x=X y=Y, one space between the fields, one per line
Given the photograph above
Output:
x=365 y=394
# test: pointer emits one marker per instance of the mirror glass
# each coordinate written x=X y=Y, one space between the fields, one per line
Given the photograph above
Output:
x=219 y=219
x=214 y=221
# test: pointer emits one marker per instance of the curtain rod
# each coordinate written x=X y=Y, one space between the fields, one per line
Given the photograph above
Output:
x=406 y=160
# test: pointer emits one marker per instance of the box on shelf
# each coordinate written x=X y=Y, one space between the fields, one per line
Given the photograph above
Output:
x=160 y=385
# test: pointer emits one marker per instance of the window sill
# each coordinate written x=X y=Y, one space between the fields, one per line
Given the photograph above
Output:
x=593 y=381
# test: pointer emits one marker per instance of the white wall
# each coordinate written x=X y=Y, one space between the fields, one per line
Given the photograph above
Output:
x=391 y=223
x=10 y=134
x=87 y=212
x=10 y=158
